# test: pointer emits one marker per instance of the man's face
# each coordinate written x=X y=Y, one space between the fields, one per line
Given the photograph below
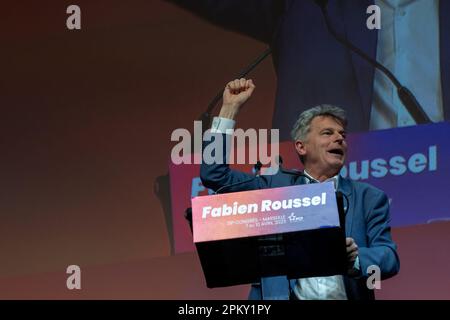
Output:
x=325 y=148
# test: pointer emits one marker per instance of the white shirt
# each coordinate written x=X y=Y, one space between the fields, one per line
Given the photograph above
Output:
x=408 y=45
x=321 y=288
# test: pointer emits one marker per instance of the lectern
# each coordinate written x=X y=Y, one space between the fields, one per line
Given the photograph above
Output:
x=291 y=232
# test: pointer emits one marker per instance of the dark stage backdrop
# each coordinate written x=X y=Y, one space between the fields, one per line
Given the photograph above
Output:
x=86 y=119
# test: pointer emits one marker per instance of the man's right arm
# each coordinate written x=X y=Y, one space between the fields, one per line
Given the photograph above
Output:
x=219 y=174
x=255 y=18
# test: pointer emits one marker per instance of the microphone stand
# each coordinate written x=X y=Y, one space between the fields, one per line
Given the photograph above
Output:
x=405 y=95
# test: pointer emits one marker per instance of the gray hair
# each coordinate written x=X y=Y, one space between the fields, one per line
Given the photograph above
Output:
x=303 y=124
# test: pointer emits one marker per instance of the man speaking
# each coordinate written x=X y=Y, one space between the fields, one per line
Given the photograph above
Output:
x=319 y=138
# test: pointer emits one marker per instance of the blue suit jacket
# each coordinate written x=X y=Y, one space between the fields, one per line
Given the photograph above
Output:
x=312 y=67
x=366 y=221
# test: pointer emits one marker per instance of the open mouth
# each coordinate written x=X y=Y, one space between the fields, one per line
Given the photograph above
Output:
x=338 y=152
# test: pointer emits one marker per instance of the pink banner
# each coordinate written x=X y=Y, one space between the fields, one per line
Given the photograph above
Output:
x=263 y=212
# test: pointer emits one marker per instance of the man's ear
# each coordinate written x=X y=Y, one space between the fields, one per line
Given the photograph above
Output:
x=300 y=147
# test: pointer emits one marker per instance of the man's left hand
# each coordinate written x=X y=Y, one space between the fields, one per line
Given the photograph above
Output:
x=352 y=250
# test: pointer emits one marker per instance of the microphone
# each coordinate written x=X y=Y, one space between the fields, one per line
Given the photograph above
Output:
x=405 y=95
x=293 y=172
x=236 y=183
x=257 y=168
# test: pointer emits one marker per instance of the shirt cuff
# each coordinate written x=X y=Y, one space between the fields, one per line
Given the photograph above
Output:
x=356 y=264
x=222 y=125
